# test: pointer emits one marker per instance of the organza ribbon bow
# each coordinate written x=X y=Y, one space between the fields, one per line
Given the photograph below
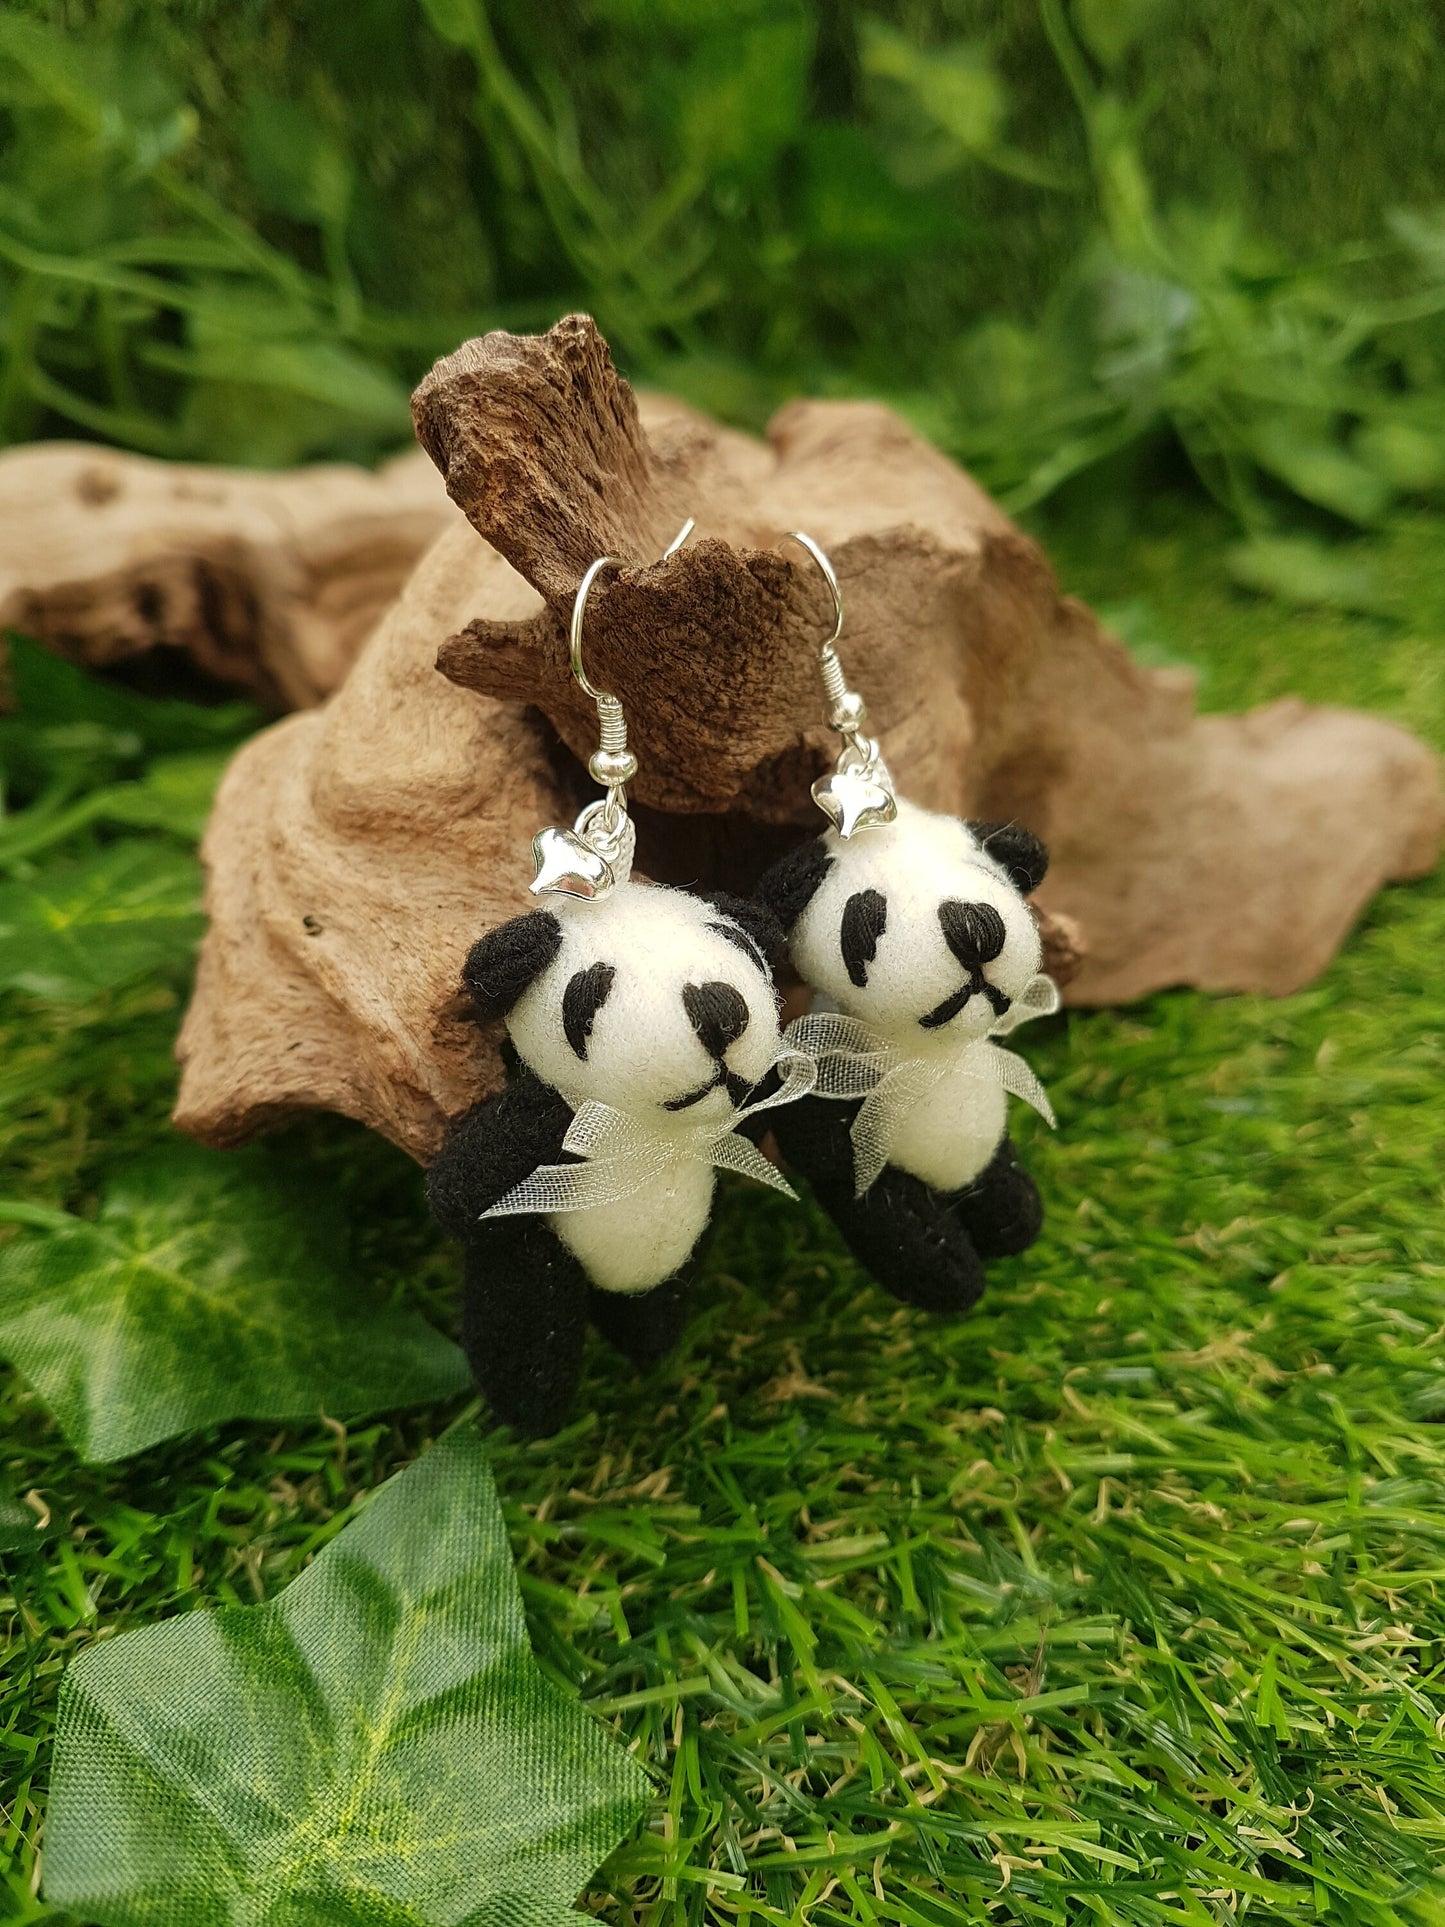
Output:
x=621 y=1153
x=855 y=1060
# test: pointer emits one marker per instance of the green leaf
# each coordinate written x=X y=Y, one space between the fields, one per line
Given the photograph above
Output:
x=1136 y=624
x=376 y=1746
x=320 y=371
x=742 y=95
x=1409 y=457
x=68 y=720
x=211 y=1286
x=1109 y=28
x=1421 y=231
x=851 y=205
x=275 y=402
x=955 y=85
x=300 y=169
x=1307 y=574
x=1319 y=469
x=81 y=927
x=174 y=795
x=456 y=21
x=113 y=90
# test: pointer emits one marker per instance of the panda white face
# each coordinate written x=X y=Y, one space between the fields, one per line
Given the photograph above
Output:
x=917 y=931
x=655 y=1002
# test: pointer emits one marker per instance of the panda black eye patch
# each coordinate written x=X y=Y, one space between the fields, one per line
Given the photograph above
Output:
x=584 y=996
x=865 y=918
x=740 y=940
x=974 y=932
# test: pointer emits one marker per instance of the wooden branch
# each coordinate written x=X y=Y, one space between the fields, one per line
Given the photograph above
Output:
x=268 y=582
x=356 y=853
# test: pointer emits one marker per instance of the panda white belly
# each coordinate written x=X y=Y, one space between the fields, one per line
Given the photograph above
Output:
x=952 y=1132
x=642 y=1239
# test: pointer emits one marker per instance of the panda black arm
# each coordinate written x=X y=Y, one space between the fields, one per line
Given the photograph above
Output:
x=493 y=1147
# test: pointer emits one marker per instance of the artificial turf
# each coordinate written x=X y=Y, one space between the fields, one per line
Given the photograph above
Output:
x=1119 y=1600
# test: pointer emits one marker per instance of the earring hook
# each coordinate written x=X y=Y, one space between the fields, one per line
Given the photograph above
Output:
x=579 y=610
x=814 y=549
x=859 y=794
x=596 y=853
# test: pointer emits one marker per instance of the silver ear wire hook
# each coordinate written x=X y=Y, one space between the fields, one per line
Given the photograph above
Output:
x=584 y=861
x=612 y=764
x=858 y=795
x=677 y=541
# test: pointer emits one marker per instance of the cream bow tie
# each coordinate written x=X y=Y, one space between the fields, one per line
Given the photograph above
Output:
x=855 y=1060
x=620 y=1153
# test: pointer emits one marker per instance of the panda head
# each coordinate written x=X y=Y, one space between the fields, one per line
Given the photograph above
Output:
x=918 y=927
x=652 y=1000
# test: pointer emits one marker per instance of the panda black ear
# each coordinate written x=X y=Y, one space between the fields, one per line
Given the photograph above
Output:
x=1018 y=850
x=793 y=881
x=755 y=920
x=509 y=960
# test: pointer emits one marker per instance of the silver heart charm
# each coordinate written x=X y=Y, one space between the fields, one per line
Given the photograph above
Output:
x=853 y=800
x=568 y=867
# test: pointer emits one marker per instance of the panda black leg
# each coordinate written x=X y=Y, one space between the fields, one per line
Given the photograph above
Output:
x=524 y=1320
x=909 y=1237
x=1001 y=1210
x=643 y=1325
x=911 y=1241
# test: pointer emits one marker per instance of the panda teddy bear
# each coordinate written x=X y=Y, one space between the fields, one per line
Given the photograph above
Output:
x=917 y=934
x=639 y=1026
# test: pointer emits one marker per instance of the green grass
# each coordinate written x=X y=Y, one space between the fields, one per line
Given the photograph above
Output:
x=1119 y=1601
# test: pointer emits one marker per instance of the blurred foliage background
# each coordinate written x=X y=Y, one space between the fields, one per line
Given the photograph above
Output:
x=1057 y=233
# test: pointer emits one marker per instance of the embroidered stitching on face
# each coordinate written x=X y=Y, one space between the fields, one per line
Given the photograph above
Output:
x=718 y=1014
x=865 y=918
x=584 y=996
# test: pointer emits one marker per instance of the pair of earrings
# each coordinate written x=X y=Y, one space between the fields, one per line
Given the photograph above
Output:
x=645 y=1052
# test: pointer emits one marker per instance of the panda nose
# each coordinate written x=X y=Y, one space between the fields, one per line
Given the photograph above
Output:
x=718 y=1013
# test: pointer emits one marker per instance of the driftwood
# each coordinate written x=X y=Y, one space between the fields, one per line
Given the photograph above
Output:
x=357 y=851
x=267 y=582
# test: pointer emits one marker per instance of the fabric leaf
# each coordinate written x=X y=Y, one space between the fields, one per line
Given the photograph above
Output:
x=18 y=1524
x=210 y=1286
x=53 y=693
x=377 y=1745
x=93 y=925
x=175 y=794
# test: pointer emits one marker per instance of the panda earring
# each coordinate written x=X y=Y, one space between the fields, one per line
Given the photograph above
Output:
x=641 y=1023
x=914 y=930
